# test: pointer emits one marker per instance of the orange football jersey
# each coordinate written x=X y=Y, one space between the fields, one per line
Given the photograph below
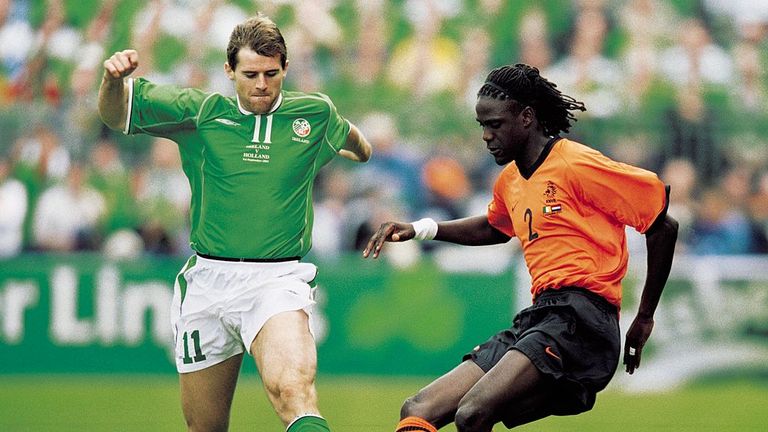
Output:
x=570 y=214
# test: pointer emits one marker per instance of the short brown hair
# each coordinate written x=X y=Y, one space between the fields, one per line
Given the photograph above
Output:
x=260 y=34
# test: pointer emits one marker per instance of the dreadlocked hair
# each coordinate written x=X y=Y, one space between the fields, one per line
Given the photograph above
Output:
x=524 y=84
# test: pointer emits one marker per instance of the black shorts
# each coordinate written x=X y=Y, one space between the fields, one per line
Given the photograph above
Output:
x=572 y=336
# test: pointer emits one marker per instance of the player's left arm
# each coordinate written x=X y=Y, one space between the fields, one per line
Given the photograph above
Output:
x=660 y=241
x=356 y=147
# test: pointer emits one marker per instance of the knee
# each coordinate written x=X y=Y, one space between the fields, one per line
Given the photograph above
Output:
x=473 y=417
x=415 y=406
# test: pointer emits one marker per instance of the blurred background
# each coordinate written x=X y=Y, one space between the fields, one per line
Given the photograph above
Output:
x=93 y=224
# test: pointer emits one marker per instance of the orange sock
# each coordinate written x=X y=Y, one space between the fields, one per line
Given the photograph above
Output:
x=415 y=424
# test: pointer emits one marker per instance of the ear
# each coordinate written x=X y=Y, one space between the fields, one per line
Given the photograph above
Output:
x=529 y=116
x=285 y=69
x=230 y=73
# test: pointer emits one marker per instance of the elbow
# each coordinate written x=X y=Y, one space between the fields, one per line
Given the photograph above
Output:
x=365 y=155
x=112 y=124
x=672 y=226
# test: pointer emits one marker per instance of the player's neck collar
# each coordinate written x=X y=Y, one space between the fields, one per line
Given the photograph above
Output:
x=275 y=106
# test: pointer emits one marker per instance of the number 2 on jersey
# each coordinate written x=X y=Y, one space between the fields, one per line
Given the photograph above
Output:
x=528 y=217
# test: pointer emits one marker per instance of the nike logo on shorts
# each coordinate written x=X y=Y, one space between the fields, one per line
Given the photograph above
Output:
x=551 y=353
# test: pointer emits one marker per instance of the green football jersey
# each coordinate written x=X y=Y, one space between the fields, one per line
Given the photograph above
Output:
x=251 y=175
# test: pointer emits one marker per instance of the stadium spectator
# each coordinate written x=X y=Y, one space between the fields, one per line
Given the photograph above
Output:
x=758 y=212
x=330 y=233
x=749 y=89
x=681 y=175
x=648 y=27
x=251 y=161
x=372 y=41
x=719 y=228
x=16 y=42
x=427 y=62
x=448 y=185
x=568 y=205
x=695 y=59
x=314 y=28
x=535 y=47
x=475 y=57
x=585 y=72
x=53 y=40
x=67 y=216
x=690 y=130
x=163 y=197
x=13 y=211
x=108 y=175
x=397 y=165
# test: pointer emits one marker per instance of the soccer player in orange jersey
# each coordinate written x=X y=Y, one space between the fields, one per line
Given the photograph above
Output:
x=568 y=205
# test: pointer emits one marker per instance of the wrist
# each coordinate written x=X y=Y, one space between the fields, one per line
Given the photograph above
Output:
x=644 y=316
x=425 y=229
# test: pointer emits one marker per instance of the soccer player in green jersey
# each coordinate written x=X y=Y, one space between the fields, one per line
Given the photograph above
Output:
x=251 y=161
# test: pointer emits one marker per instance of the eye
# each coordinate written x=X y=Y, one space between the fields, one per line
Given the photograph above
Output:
x=272 y=73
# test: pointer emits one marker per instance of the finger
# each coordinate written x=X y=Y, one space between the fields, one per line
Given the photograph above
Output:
x=111 y=69
x=133 y=58
x=630 y=358
x=370 y=246
x=385 y=232
x=124 y=61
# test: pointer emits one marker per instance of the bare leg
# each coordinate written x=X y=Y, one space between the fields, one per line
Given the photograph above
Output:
x=285 y=354
x=438 y=401
x=206 y=395
x=513 y=387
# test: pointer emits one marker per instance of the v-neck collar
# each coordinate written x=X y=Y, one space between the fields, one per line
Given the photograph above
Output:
x=527 y=173
x=244 y=111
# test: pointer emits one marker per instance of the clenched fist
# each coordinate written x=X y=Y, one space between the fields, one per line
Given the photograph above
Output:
x=121 y=64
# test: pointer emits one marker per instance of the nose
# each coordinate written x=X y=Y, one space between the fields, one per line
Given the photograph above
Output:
x=487 y=136
x=260 y=82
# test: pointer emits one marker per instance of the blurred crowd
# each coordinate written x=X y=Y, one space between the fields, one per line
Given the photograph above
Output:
x=677 y=86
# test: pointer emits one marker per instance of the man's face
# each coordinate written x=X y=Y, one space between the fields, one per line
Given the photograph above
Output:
x=503 y=130
x=258 y=80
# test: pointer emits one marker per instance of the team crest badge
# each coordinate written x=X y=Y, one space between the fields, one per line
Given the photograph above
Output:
x=550 y=198
x=550 y=191
x=301 y=127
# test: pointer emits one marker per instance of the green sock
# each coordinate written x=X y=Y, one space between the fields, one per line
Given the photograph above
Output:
x=309 y=423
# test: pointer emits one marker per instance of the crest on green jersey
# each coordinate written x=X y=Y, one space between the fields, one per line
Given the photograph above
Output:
x=301 y=127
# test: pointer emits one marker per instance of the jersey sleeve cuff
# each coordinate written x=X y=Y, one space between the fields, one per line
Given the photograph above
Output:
x=129 y=109
x=663 y=214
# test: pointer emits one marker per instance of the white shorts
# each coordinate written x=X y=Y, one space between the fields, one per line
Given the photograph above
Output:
x=219 y=306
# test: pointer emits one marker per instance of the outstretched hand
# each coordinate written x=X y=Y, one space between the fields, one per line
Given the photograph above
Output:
x=121 y=64
x=637 y=336
x=388 y=232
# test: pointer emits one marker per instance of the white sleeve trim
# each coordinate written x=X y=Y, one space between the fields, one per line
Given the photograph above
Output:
x=130 y=107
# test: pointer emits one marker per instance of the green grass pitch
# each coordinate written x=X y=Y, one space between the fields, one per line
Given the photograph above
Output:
x=352 y=404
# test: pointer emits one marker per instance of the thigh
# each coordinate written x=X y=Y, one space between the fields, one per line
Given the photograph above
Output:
x=513 y=390
x=206 y=395
x=438 y=401
x=285 y=354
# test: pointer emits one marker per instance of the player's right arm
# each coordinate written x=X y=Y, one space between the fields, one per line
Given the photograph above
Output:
x=113 y=92
x=471 y=231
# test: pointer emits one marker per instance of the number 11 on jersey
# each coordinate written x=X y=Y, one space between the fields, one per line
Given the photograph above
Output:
x=267 y=132
x=199 y=356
